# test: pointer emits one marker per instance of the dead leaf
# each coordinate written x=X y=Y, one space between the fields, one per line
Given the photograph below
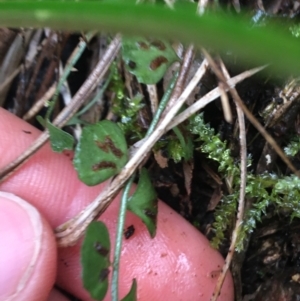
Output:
x=160 y=159
x=188 y=168
x=215 y=198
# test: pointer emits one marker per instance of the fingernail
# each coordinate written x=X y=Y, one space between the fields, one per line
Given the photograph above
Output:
x=21 y=234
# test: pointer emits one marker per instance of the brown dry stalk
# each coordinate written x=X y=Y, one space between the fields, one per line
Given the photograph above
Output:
x=241 y=203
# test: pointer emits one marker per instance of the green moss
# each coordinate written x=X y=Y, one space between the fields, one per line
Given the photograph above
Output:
x=266 y=189
x=125 y=108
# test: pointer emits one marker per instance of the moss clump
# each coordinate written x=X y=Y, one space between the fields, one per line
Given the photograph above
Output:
x=266 y=189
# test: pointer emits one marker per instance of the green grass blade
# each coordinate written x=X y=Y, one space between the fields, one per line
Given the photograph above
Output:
x=222 y=32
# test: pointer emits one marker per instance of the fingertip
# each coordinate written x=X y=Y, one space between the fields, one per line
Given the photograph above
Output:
x=27 y=252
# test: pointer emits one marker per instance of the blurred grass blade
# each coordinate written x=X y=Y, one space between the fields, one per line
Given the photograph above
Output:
x=101 y=152
x=227 y=33
x=131 y=296
x=143 y=202
x=95 y=260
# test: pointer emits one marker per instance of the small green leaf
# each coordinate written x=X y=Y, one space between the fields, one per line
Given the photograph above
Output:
x=41 y=120
x=131 y=296
x=60 y=140
x=95 y=263
x=175 y=150
x=148 y=60
x=293 y=147
x=101 y=152
x=143 y=202
x=186 y=144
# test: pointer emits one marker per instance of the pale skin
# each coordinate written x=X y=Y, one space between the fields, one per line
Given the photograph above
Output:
x=178 y=264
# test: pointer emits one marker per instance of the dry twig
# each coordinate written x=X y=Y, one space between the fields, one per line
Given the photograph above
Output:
x=241 y=204
x=210 y=96
x=153 y=97
x=225 y=103
x=187 y=60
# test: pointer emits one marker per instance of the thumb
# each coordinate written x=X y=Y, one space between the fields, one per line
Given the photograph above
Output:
x=27 y=251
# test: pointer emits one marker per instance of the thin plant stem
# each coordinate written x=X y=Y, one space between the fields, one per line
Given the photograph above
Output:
x=152 y=91
x=118 y=245
x=162 y=105
x=179 y=87
x=97 y=96
x=241 y=205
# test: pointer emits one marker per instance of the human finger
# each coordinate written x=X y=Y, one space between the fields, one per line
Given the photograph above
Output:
x=27 y=251
x=184 y=263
